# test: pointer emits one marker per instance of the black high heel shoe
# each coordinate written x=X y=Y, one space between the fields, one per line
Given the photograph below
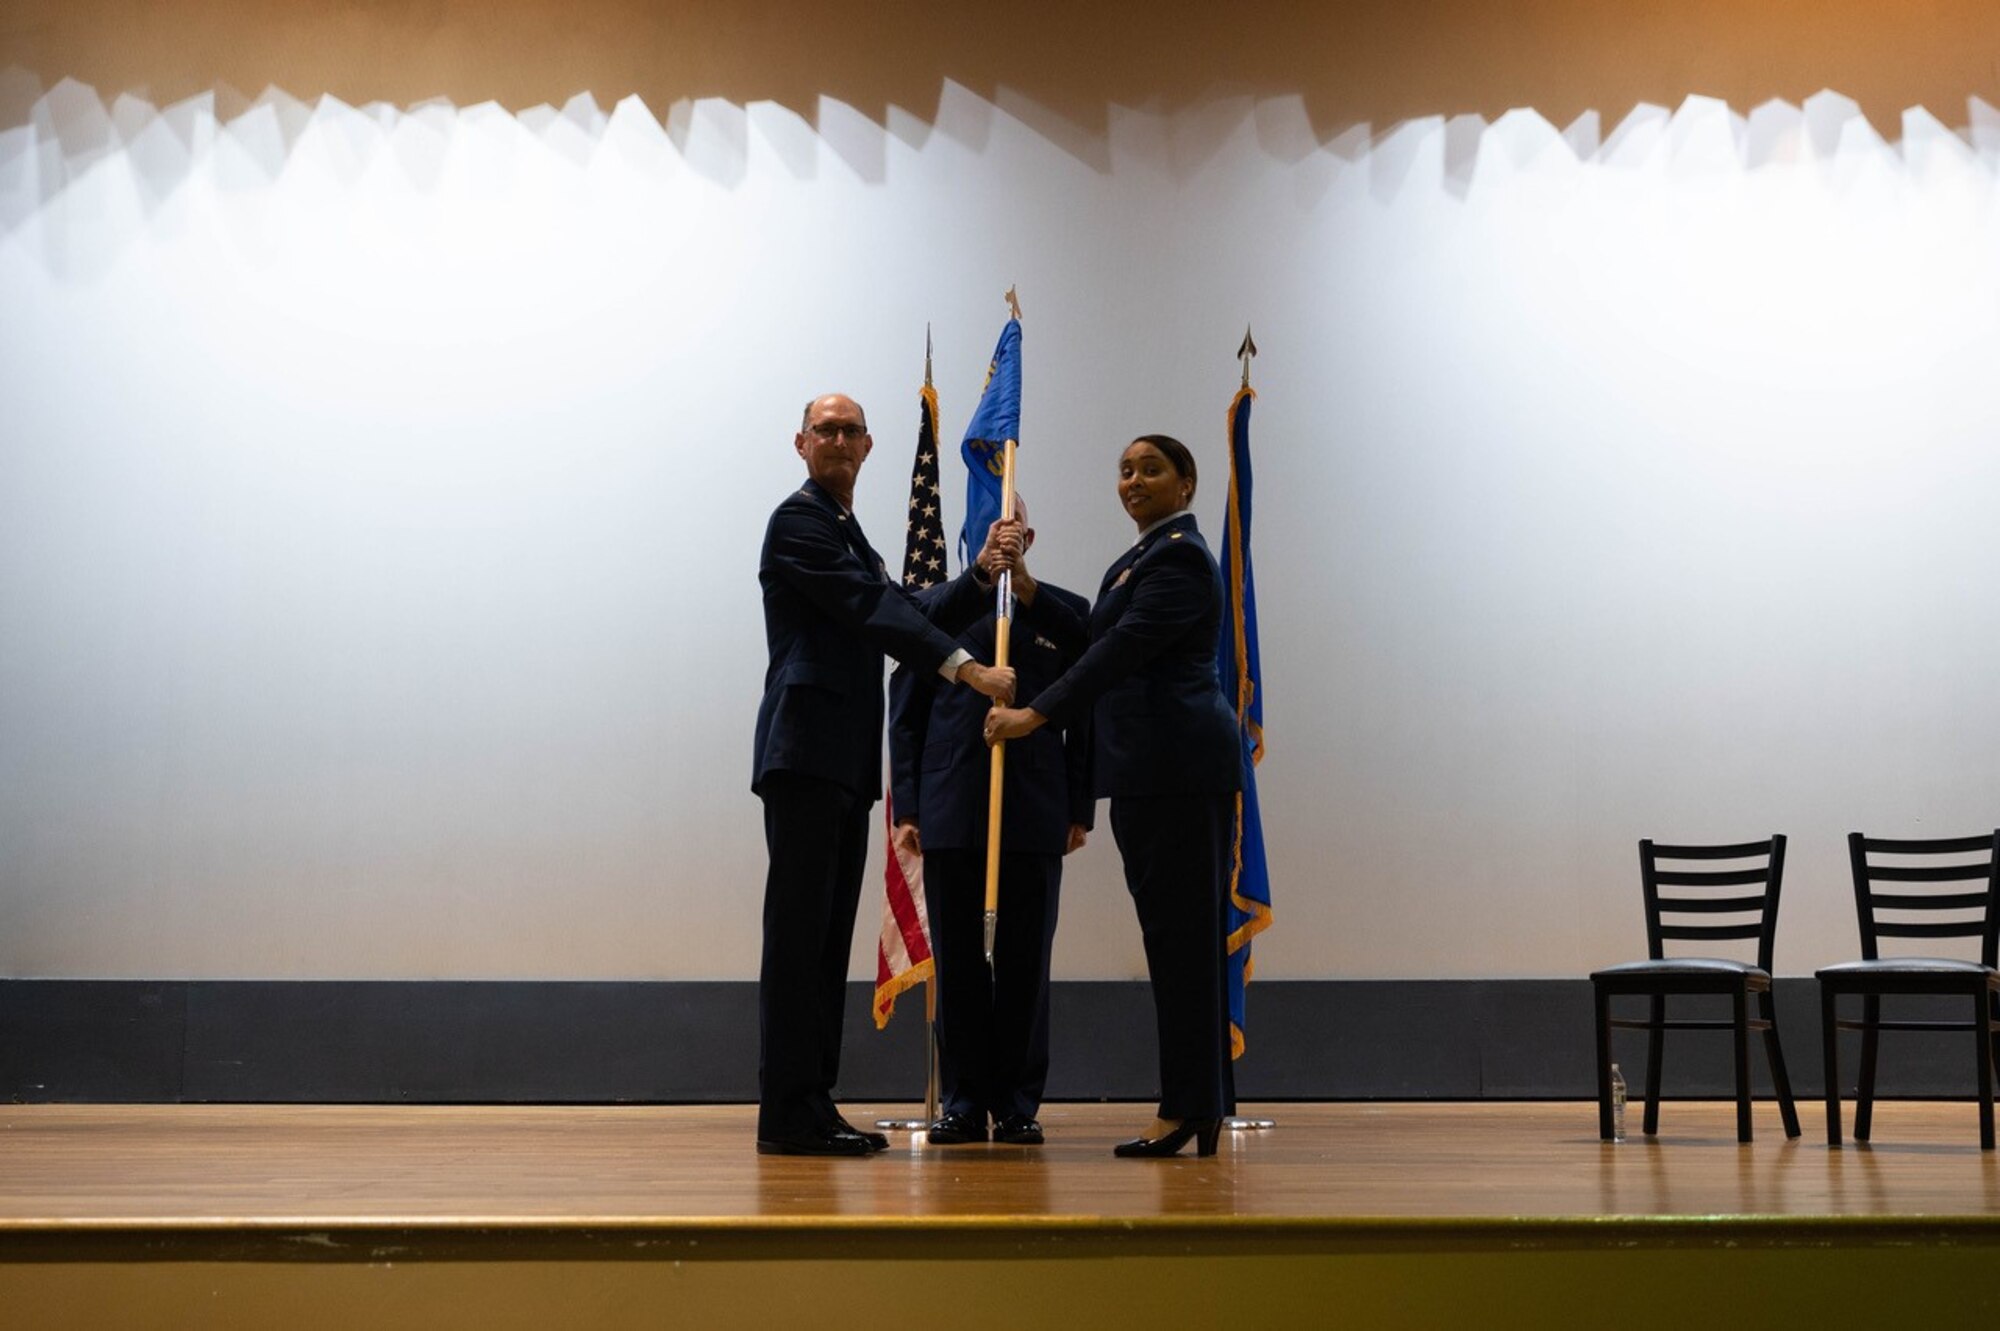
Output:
x=1204 y=1132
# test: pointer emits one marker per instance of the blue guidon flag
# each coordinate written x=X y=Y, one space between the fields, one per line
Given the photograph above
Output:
x=997 y=419
x=1237 y=667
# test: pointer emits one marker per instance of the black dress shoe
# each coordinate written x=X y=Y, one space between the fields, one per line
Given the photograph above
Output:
x=825 y=1141
x=876 y=1141
x=1204 y=1132
x=1018 y=1130
x=958 y=1130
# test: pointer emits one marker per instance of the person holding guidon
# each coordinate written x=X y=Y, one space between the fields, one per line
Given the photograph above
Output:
x=1167 y=755
x=830 y=612
x=993 y=1026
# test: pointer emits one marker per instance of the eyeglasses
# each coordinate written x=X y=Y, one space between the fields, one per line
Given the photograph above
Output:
x=828 y=431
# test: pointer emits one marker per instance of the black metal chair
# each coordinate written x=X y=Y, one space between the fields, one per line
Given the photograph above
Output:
x=1660 y=977
x=1974 y=914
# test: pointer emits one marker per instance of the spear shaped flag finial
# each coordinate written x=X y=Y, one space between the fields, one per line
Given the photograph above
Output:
x=1245 y=352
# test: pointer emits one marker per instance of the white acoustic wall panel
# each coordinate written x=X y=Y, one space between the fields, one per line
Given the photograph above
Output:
x=380 y=494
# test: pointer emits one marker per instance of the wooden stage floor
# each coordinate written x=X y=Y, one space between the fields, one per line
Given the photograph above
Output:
x=1428 y=1210
x=193 y=1166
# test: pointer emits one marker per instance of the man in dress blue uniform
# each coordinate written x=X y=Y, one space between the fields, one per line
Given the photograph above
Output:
x=830 y=612
x=993 y=1027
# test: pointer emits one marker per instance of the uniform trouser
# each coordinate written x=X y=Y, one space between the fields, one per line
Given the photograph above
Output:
x=993 y=1027
x=817 y=834
x=1176 y=853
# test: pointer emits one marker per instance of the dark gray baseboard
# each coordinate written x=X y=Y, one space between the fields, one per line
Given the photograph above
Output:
x=696 y=1041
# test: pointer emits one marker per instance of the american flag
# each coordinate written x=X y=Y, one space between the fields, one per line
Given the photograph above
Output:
x=923 y=539
x=903 y=955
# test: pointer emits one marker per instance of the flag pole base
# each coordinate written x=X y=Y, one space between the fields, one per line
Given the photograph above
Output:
x=1235 y=1124
x=992 y=926
x=930 y=1081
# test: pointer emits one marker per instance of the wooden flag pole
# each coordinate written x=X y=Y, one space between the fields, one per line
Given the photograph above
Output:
x=1003 y=624
x=930 y=981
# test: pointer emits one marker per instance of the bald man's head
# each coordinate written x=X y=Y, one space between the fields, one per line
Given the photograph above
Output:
x=833 y=440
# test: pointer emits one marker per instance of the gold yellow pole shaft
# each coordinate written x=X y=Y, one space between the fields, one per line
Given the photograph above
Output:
x=1003 y=624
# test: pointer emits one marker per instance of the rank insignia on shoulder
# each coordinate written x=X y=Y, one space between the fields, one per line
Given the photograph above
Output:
x=1040 y=641
x=1173 y=536
x=1121 y=578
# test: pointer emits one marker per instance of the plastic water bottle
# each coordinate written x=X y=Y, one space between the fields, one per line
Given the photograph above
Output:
x=1617 y=1104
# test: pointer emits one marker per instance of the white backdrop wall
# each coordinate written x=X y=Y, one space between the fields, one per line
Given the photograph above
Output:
x=380 y=495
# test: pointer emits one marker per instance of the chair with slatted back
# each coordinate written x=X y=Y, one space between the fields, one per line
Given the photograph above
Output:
x=1900 y=912
x=1661 y=977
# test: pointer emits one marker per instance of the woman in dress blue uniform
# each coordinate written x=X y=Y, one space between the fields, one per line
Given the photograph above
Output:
x=1168 y=757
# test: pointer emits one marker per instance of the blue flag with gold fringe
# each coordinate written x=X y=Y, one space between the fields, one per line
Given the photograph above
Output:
x=1241 y=676
x=996 y=420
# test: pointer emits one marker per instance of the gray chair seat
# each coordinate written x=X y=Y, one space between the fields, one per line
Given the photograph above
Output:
x=1679 y=966
x=1905 y=966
